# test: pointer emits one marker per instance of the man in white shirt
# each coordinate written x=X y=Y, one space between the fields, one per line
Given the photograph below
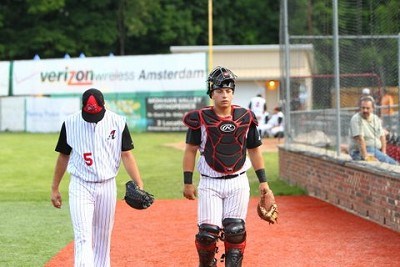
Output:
x=368 y=140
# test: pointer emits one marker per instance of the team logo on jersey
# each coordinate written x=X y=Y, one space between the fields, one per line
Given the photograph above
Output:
x=227 y=127
x=112 y=135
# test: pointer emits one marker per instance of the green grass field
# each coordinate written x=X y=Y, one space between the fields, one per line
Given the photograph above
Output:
x=32 y=231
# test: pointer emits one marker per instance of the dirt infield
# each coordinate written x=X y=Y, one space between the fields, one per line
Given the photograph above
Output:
x=310 y=232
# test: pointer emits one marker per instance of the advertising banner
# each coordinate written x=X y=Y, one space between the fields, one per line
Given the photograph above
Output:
x=12 y=114
x=117 y=74
x=166 y=113
x=4 y=77
x=46 y=115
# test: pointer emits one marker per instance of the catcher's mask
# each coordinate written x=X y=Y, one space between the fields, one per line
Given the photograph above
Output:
x=220 y=77
x=93 y=105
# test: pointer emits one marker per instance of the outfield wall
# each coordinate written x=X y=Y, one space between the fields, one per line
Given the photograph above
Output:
x=368 y=189
x=153 y=92
x=157 y=112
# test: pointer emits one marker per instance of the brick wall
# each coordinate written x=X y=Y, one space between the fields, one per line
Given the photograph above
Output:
x=369 y=190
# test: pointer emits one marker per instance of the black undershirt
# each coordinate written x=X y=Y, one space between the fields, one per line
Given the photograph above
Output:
x=64 y=148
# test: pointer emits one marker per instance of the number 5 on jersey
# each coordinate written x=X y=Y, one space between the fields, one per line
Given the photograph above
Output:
x=88 y=158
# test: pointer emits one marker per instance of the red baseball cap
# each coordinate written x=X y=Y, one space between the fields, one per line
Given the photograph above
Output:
x=93 y=105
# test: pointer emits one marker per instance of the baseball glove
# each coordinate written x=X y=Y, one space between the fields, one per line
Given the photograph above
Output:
x=267 y=208
x=136 y=197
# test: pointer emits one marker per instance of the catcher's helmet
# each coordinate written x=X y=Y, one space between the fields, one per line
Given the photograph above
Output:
x=220 y=77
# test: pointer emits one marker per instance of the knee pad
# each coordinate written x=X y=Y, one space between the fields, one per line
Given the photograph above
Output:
x=208 y=234
x=234 y=230
x=206 y=244
x=235 y=241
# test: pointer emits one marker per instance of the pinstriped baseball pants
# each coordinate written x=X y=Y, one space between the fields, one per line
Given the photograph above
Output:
x=92 y=208
x=222 y=198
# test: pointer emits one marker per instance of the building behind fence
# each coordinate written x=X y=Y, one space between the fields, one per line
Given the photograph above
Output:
x=368 y=44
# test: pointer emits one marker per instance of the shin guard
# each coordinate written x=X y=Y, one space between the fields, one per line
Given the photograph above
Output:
x=235 y=241
x=206 y=244
x=234 y=254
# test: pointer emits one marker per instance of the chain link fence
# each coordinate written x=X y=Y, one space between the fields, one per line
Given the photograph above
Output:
x=317 y=112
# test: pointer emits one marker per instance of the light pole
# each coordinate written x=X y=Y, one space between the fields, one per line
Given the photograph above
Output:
x=210 y=36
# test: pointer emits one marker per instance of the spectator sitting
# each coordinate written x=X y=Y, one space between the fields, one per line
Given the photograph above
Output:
x=367 y=137
x=275 y=125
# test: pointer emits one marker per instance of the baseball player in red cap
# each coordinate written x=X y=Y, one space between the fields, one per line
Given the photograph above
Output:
x=223 y=134
x=91 y=145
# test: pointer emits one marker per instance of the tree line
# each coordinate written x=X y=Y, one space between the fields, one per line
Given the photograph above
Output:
x=128 y=27
x=131 y=27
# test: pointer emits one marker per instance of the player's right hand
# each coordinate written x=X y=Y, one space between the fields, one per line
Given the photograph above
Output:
x=189 y=191
x=56 y=199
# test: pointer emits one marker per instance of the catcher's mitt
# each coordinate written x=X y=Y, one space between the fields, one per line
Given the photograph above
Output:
x=267 y=208
x=136 y=197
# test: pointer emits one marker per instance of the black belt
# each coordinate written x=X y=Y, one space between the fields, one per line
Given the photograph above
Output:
x=229 y=176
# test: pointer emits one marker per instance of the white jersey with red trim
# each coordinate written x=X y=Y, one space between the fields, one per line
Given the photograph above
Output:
x=96 y=147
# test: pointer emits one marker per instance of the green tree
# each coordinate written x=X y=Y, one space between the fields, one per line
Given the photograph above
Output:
x=53 y=28
x=169 y=23
x=127 y=27
x=246 y=22
x=98 y=27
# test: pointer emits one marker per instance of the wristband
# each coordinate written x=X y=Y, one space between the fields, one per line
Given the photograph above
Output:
x=187 y=177
x=262 y=178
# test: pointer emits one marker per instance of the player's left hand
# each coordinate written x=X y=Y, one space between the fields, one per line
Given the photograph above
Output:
x=263 y=187
x=136 y=197
x=189 y=191
x=267 y=208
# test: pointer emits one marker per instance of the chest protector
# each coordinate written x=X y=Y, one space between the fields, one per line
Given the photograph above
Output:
x=225 y=148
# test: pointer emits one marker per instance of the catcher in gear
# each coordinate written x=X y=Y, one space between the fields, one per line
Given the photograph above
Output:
x=223 y=134
x=136 y=197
